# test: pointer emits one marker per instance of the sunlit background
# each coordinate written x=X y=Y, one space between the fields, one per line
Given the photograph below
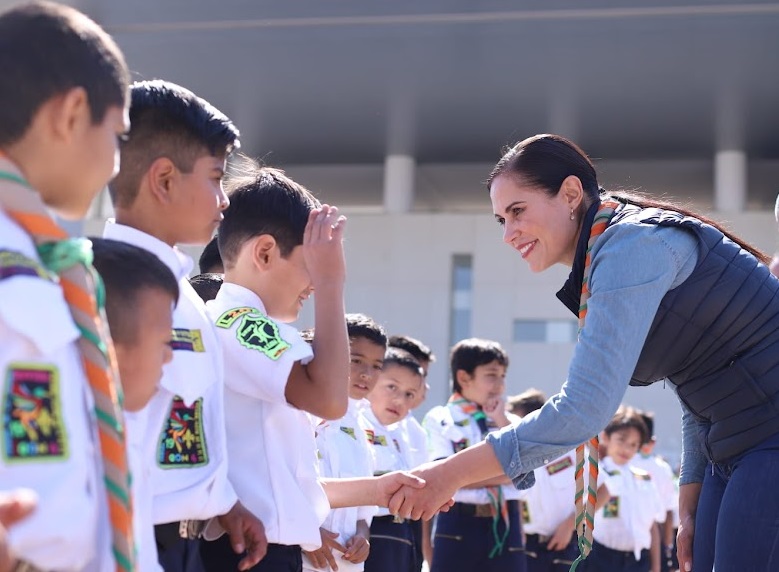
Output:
x=396 y=111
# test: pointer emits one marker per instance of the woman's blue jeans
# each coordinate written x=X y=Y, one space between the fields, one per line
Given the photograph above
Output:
x=737 y=522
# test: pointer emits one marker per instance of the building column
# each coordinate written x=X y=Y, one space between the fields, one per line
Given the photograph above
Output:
x=399 y=176
x=730 y=180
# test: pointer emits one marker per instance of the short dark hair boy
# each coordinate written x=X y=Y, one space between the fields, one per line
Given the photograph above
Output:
x=169 y=121
x=467 y=355
x=362 y=326
x=264 y=201
x=627 y=417
x=526 y=402
x=140 y=295
x=422 y=353
x=47 y=49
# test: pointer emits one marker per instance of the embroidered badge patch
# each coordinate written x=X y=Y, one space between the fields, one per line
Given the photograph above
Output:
x=182 y=442
x=349 y=431
x=33 y=427
x=187 y=340
x=369 y=435
x=525 y=512
x=17 y=264
x=257 y=332
x=463 y=422
x=380 y=440
x=228 y=318
x=611 y=508
x=560 y=465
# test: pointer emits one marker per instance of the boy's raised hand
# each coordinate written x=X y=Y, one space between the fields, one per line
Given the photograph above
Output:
x=323 y=246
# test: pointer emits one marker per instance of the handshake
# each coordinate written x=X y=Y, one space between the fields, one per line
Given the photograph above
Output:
x=420 y=493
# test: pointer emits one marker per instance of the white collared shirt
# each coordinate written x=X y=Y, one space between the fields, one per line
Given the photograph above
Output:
x=50 y=442
x=139 y=450
x=388 y=450
x=344 y=453
x=624 y=523
x=185 y=418
x=551 y=500
x=416 y=438
x=271 y=444
x=450 y=430
x=662 y=476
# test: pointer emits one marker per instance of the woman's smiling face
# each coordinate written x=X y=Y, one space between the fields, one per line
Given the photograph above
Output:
x=536 y=225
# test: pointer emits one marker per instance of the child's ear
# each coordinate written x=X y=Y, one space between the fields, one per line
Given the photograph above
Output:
x=69 y=113
x=161 y=179
x=463 y=379
x=264 y=251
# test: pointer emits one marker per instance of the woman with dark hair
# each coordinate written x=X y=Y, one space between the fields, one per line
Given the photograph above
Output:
x=661 y=293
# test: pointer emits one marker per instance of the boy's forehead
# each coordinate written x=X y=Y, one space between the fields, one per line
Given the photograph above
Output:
x=361 y=343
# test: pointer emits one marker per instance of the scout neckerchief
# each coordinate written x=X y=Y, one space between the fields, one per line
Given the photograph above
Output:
x=499 y=506
x=71 y=260
x=585 y=510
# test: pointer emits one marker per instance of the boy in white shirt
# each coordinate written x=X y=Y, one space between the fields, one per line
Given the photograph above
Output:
x=168 y=192
x=628 y=504
x=482 y=531
x=548 y=506
x=64 y=106
x=416 y=437
x=344 y=452
x=393 y=546
x=141 y=293
x=278 y=245
x=663 y=477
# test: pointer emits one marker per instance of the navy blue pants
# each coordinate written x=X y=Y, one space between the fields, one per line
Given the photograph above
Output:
x=541 y=559
x=218 y=556
x=737 y=523
x=604 y=559
x=464 y=542
x=176 y=554
x=392 y=546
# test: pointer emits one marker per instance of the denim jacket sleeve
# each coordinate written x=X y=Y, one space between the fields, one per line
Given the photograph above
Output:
x=633 y=267
x=694 y=457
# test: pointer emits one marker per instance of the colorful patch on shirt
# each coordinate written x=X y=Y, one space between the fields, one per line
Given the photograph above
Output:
x=182 y=442
x=187 y=340
x=611 y=508
x=397 y=445
x=349 y=431
x=258 y=332
x=463 y=422
x=459 y=445
x=17 y=264
x=230 y=316
x=640 y=475
x=560 y=465
x=369 y=435
x=380 y=440
x=33 y=428
x=524 y=512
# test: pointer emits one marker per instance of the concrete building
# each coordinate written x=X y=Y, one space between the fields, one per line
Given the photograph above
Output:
x=396 y=111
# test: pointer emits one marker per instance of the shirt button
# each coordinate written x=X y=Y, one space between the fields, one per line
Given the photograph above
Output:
x=546 y=461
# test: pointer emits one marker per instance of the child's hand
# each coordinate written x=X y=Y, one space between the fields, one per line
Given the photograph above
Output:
x=323 y=246
x=323 y=557
x=495 y=409
x=357 y=549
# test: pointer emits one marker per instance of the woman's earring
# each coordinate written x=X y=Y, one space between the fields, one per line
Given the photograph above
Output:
x=572 y=217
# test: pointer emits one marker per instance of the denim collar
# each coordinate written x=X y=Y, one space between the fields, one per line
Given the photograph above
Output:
x=570 y=293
